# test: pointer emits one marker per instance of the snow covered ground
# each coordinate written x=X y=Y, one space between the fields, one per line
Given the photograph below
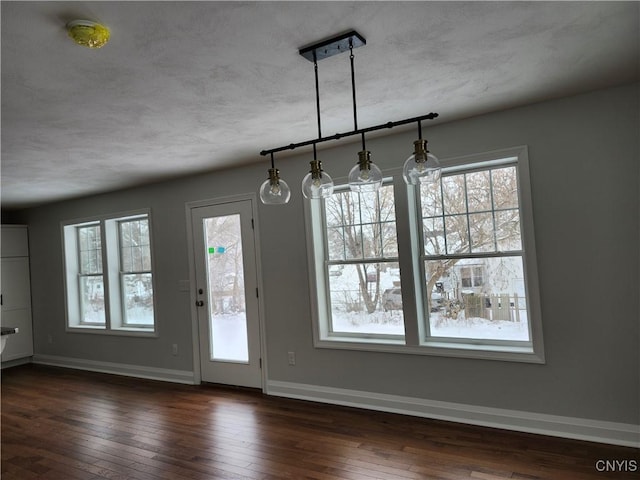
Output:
x=229 y=337
x=480 y=328
x=392 y=323
x=229 y=331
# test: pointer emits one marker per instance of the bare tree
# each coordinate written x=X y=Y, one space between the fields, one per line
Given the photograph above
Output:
x=362 y=227
x=474 y=212
x=226 y=273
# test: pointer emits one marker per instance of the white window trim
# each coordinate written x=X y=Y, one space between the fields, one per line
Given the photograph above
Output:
x=320 y=283
x=408 y=241
x=111 y=276
x=532 y=351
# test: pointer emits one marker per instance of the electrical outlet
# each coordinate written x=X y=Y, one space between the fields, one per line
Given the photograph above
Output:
x=174 y=349
x=292 y=358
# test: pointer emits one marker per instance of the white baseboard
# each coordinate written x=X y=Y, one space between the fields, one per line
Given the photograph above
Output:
x=554 y=425
x=152 y=373
x=16 y=362
x=558 y=426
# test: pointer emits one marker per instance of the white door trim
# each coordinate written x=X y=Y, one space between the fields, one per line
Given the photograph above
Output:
x=189 y=206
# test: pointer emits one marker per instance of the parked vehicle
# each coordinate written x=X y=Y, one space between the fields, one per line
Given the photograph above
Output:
x=392 y=299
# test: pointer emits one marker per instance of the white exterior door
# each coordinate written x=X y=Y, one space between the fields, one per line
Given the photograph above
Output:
x=227 y=294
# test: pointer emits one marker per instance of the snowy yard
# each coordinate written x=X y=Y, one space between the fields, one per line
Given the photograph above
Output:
x=229 y=337
x=391 y=322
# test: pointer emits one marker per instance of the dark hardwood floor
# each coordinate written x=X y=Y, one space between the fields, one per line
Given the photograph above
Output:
x=66 y=424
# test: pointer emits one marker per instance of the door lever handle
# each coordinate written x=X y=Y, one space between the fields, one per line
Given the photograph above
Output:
x=199 y=303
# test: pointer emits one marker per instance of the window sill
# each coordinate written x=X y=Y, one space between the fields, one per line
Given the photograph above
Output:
x=126 y=332
x=373 y=341
x=435 y=348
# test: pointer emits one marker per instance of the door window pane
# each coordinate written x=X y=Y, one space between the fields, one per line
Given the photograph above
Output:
x=225 y=279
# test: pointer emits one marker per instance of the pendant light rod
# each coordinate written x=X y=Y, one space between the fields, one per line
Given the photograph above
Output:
x=315 y=68
x=353 y=87
x=338 y=136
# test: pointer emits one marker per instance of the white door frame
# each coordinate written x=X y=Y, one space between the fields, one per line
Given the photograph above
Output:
x=189 y=206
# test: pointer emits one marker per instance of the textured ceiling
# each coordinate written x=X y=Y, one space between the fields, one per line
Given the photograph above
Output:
x=184 y=87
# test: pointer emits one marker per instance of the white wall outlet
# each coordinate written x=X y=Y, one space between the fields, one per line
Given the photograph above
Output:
x=291 y=357
x=174 y=349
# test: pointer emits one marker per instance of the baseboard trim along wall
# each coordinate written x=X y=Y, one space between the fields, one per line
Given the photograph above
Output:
x=151 y=373
x=16 y=362
x=553 y=425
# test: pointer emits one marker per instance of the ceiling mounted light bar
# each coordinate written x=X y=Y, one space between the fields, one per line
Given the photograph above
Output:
x=338 y=136
x=364 y=176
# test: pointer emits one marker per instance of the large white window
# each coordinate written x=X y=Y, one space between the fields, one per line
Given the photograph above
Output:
x=109 y=277
x=473 y=256
x=468 y=258
x=360 y=265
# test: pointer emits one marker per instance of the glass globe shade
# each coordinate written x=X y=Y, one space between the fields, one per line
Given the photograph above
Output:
x=421 y=170
x=275 y=191
x=317 y=185
x=365 y=176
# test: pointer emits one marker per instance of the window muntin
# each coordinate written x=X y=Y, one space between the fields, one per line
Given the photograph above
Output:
x=361 y=270
x=135 y=272
x=473 y=252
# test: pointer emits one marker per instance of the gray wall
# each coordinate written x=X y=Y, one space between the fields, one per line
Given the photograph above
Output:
x=584 y=156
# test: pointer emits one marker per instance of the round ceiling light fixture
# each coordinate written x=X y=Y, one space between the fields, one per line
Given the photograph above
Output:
x=88 y=34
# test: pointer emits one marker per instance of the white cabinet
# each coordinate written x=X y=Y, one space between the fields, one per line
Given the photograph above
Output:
x=16 y=292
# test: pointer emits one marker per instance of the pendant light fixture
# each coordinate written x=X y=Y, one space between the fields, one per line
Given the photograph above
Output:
x=316 y=183
x=274 y=190
x=422 y=167
x=365 y=176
